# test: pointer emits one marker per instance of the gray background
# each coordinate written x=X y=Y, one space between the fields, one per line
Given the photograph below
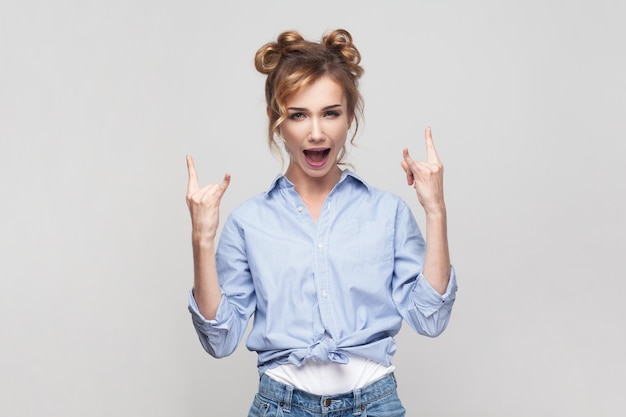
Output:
x=100 y=101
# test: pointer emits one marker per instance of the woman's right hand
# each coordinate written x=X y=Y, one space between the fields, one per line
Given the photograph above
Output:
x=204 y=204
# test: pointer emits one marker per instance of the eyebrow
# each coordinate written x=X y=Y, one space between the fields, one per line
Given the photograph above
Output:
x=332 y=106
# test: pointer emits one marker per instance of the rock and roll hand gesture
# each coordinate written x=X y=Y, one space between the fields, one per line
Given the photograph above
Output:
x=204 y=203
x=426 y=177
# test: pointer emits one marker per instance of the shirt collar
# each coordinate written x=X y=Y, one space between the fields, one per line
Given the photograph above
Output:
x=282 y=182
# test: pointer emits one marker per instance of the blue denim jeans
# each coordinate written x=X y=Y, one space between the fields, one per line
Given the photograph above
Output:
x=379 y=399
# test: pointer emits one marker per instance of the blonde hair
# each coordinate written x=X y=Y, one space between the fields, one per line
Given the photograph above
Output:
x=292 y=63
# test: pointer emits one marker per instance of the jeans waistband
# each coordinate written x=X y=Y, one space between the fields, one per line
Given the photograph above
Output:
x=288 y=396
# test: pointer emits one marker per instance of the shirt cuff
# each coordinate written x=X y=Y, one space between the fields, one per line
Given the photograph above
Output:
x=221 y=316
x=428 y=300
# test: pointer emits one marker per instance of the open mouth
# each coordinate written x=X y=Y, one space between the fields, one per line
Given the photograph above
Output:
x=316 y=157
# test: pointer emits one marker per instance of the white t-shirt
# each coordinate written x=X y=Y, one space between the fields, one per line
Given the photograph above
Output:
x=330 y=378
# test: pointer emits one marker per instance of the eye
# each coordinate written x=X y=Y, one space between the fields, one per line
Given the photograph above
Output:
x=332 y=113
x=296 y=116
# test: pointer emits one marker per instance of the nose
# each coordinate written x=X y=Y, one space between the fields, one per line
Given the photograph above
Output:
x=317 y=131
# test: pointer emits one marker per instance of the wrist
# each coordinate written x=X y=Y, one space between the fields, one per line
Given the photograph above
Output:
x=202 y=240
x=435 y=211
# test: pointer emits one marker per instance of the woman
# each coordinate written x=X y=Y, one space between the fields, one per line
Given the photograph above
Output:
x=328 y=265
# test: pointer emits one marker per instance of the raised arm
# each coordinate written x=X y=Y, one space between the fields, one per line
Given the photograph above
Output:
x=427 y=179
x=203 y=206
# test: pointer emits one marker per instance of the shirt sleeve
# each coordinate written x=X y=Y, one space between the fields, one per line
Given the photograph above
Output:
x=421 y=306
x=221 y=336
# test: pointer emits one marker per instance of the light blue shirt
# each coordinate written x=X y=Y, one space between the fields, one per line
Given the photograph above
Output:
x=321 y=291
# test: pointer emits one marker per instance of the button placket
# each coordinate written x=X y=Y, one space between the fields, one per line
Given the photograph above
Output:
x=321 y=268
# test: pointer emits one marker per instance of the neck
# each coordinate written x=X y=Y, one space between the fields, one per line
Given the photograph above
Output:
x=314 y=187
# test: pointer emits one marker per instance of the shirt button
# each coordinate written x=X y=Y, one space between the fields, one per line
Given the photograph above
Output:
x=300 y=208
x=324 y=294
x=320 y=245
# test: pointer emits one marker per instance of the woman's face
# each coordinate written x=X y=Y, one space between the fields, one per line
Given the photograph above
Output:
x=315 y=130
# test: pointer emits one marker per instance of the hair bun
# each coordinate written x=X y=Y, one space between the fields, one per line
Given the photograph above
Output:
x=340 y=41
x=268 y=56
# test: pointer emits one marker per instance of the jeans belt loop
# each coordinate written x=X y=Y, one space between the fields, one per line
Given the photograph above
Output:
x=358 y=405
x=286 y=403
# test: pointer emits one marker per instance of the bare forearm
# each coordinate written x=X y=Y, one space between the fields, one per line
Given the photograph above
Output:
x=437 y=259
x=206 y=288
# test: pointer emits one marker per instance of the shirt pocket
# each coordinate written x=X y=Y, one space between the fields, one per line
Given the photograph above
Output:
x=371 y=240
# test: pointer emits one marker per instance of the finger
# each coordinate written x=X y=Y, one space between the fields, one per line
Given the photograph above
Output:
x=408 y=172
x=192 y=184
x=214 y=191
x=405 y=163
x=431 y=152
x=224 y=185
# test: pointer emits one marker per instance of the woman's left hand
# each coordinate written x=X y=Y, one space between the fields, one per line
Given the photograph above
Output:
x=426 y=177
